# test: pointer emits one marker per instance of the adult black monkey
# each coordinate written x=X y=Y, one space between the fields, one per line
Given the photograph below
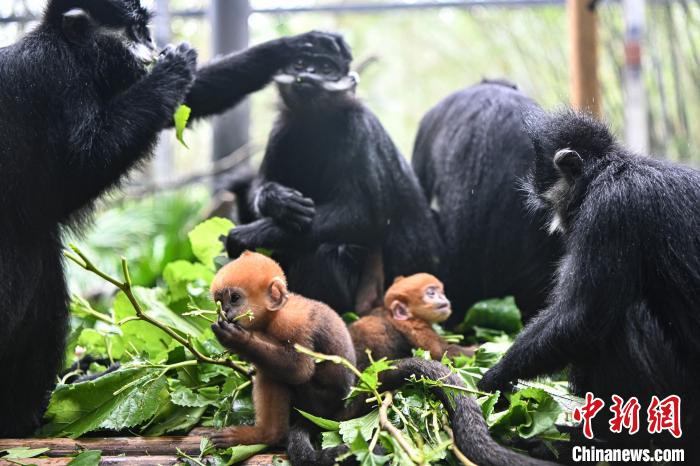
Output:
x=623 y=312
x=470 y=155
x=333 y=191
x=79 y=108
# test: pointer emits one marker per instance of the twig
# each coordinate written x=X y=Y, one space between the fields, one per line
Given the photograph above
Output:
x=456 y=451
x=126 y=288
x=396 y=433
x=338 y=360
x=223 y=165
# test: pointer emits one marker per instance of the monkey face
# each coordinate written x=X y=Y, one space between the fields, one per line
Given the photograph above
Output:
x=250 y=289
x=434 y=306
x=419 y=296
x=112 y=25
x=318 y=76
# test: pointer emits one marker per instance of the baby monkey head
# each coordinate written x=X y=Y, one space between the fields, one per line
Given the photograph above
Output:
x=250 y=290
x=419 y=296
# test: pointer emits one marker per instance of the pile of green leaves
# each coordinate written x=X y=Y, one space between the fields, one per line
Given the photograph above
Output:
x=161 y=388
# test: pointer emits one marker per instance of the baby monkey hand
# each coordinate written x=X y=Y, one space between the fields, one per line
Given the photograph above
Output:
x=230 y=334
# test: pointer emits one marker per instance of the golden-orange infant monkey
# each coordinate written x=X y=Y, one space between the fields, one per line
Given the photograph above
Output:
x=284 y=377
x=411 y=305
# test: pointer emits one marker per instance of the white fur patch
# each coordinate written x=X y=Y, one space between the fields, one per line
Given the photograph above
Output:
x=142 y=52
x=284 y=79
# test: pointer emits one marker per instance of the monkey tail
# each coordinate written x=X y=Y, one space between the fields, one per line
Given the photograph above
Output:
x=471 y=434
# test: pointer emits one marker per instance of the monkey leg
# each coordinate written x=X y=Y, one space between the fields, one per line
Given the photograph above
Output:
x=370 y=291
x=272 y=408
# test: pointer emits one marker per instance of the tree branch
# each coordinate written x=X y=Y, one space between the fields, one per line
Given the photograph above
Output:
x=81 y=259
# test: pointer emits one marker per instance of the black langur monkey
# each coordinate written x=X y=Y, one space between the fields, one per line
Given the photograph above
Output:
x=333 y=193
x=623 y=312
x=471 y=154
x=79 y=109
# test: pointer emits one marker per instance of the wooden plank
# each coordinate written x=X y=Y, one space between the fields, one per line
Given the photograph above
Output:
x=109 y=445
x=583 y=47
x=164 y=460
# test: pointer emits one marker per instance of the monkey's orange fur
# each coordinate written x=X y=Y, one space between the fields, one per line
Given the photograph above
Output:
x=284 y=377
x=411 y=305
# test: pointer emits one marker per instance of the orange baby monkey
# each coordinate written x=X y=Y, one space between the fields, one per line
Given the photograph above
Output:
x=411 y=305
x=256 y=284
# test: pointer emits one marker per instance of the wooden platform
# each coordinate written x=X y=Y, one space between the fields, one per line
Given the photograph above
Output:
x=121 y=450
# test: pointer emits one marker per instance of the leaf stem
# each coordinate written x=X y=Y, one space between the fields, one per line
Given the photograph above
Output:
x=384 y=422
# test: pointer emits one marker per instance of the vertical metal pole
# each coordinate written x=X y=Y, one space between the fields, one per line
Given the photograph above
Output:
x=229 y=19
x=636 y=121
x=583 y=43
x=163 y=167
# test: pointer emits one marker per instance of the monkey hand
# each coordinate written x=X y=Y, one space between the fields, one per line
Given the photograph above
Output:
x=285 y=205
x=231 y=335
x=326 y=41
x=234 y=242
x=178 y=66
x=496 y=379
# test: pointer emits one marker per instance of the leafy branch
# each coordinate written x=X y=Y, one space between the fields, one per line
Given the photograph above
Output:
x=77 y=256
x=384 y=400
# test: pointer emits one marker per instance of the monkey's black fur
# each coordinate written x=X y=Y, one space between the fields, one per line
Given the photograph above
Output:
x=470 y=430
x=623 y=313
x=78 y=111
x=332 y=187
x=470 y=155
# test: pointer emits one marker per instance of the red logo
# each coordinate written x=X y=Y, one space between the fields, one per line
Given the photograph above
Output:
x=625 y=415
x=587 y=412
x=661 y=415
x=665 y=415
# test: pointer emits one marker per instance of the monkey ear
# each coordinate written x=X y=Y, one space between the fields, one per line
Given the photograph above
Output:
x=569 y=163
x=277 y=294
x=78 y=25
x=400 y=311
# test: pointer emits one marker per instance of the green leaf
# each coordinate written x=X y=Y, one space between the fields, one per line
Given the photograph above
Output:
x=497 y=314
x=181 y=117
x=184 y=396
x=236 y=454
x=87 y=458
x=204 y=239
x=172 y=418
x=119 y=400
x=365 y=425
x=330 y=439
x=20 y=453
x=360 y=448
x=179 y=274
x=321 y=422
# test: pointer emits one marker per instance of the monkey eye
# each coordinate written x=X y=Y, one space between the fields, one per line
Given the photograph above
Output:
x=326 y=68
x=430 y=292
x=299 y=65
x=235 y=298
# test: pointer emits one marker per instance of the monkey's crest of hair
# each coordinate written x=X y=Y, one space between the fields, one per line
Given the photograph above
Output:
x=409 y=289
x=248 y=268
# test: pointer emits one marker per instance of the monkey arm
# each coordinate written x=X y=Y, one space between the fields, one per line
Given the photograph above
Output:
x=105 y=144
x=541 y=348
x=223 y=83
x=277 y=360
x=588 y=301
